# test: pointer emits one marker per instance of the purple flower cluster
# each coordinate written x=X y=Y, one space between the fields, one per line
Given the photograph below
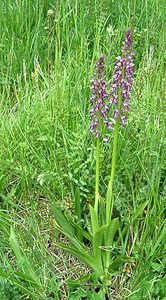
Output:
x=99 y=112
x=122 y=78
x=121 y=89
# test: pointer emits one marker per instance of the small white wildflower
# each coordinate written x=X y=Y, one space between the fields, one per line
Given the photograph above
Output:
x=50 y=12
x=110 y=30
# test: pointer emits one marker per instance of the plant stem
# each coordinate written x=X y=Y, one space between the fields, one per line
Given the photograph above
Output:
x=133 y=17
x=78 y=213
x=97 y=176
x=109 y=201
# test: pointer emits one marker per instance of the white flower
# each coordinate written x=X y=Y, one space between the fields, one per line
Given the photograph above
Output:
x=110 y=30
x=50 y=12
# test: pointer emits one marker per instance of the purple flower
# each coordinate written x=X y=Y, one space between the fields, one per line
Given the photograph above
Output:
x=99 y=99
x=119 y=98
x=105 y=139
x=115 y=116
x=123 y=78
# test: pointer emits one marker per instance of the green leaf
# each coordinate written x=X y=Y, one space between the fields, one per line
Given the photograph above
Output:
x=5 y=222
x=79 y=282
x=122 y=232
x=64 y=226
x=93 y=277
x=111 y=230
x=22 y=259
x=98 y=242
x=14 y=278
x=3 y=274
x=109 y=238
x=102 y=210
x=72 y=239
x=139 y=211
x=118 y=262
x=135 y=215
x=63 y=222
x=157 y=267
x=15 y=247
x=84 y=256
x=85 y=233
x=94 y=220
x=109 y=205
x=28 y=278
x=160 y=239
x=78 y=214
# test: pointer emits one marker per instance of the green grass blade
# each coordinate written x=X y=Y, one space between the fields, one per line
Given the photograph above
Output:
x=78 y=213
x=139 y=210
x=16 y=248
x=22 y=259
x=159 y=241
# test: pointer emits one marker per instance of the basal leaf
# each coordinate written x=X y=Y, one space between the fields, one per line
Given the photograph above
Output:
x=86 y=257
x=63 y=222
x=72 y=239
x=85 y=233
x=109 y=238
x=118 y=262
x=98 y=242
x=111 y=230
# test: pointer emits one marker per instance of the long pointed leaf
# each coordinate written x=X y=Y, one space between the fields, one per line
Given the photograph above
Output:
x=139 y=210
x=78 y=213
x=85 y=257
x=109 y=238
x=85 y=233
x=98 y=242
x=133 y=218
x=94 y=220
x=93 y=277
x=22 y=259
x=14 y=279
x=118 y=262
x=72 y=239
x=111 y=230
x=62 y=221
x=160 y=239
x=15 y=247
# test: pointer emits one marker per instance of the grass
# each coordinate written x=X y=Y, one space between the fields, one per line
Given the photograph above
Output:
x=46 y=152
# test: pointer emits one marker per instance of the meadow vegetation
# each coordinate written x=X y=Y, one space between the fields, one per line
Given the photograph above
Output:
x=48 y=52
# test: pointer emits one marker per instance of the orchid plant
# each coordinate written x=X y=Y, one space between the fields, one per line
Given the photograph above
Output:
x=96 y=247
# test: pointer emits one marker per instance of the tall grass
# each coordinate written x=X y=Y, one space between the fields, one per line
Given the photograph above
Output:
x=46 y=152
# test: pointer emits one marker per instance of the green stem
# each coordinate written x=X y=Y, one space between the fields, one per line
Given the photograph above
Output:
x=133 y=17
x=97 y=176
x=109 y=202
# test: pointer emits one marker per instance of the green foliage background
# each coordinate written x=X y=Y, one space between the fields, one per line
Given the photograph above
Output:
x=46 y=152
